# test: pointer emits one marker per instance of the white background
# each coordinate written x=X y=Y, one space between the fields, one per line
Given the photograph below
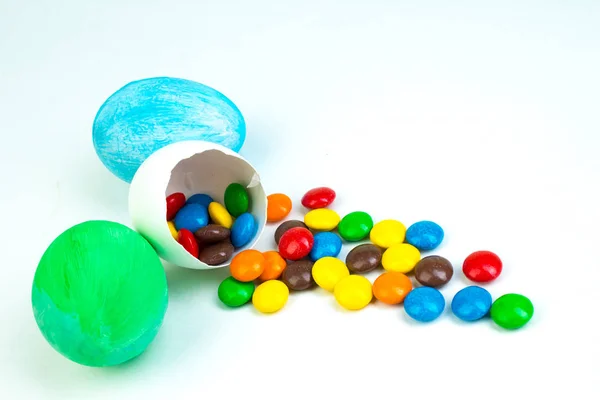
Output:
x=481 y=115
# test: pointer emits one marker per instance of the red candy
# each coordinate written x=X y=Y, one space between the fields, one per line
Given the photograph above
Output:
x=188 y=241
x=296 y=243
x=174 y=203
x=482 y=266
x=319 y=197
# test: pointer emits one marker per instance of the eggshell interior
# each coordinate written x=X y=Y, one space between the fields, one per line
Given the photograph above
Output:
x=189 y=167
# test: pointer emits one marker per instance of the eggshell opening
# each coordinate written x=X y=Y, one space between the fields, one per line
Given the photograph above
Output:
x=189 y=167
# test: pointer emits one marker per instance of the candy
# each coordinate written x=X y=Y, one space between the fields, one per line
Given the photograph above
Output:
x=391 y=287
x=286 y=226
x=243 y=230
x=173 y=230
x=234 y=293
x=326 y=244
x=387 y=233
x=247 y=265
x=424 y=304
x=353 y=292
x=328 y=271
x=471 y=303
x=200 y=198
x=355 y=226
x=298 y=275
x=191 y=217
x=400 y=258
x=217 y=253
x=434 y=271
x=188 y=241
x=363 y=258
x=270 y=296
x=512 y=311
x=174 y=203
x=274 y=266
x=318 y=198
x=278 y=207
x=425 y=235
x=482 y=266
x=212 y=233
x=296 y=243
x=219 y=215
x=237 y=200
x=322 y=219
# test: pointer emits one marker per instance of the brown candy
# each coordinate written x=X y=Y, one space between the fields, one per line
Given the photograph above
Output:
x=298 y=275
x=287 y=225
x=433 y=271
x=217 y=253
x=364 y=258
x=212 y=233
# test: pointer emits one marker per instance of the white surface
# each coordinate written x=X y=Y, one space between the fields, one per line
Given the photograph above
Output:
x=189 y=167
x=493 y=107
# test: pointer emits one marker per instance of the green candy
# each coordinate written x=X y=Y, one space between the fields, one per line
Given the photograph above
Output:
x=234 y=293
x=355 y=226
x=237 y=200
x=512 y=311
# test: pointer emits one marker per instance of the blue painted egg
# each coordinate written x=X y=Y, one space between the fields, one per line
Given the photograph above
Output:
x=326 y=244
x=146 y=115
x=191 y=217
x=471 y=303
x=424 y=304
x=200 y=198
x=243 y=230
x=425 y=235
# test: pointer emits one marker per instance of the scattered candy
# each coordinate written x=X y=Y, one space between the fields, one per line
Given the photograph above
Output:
x=286 y=226
x=328 y=271
x=212 y=233
x=425 y=235
x=191 y=217
x=326 y=244
x=174 y=203
x=296 y=243
x=400 y=258
x=471 y=303
x=274 y=266
x=234 y=293
x=220 y=215
x=433 y=271
x=217 y=254
x=243 y=230
x=298 y=275
x=392 y=287
x=353 y=292
x=270 y=296
x=322 y=219
x=320 y=197
x=512 y=311
x=188 y=241
x=363 y=258
x=173 y=230
x=424 y=304
x=387 y=233
x=355 y=226
x=200 y=198
x=247 y=265
x=237 y=200
x=279 y=206
x=482 y=266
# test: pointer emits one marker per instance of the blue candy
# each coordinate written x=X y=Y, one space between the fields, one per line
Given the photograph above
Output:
x=425 y=235
x=191 y=217
x=243 y=230
x=424 y=304
x=200 y=198
x=471 y=303
x=326 y=244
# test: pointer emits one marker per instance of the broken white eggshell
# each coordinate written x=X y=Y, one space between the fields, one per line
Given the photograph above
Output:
x=189 y=167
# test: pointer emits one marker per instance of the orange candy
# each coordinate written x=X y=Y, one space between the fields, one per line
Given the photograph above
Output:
x=392 y=287
x=278 y=207
x=247 y=265
x=274 y=266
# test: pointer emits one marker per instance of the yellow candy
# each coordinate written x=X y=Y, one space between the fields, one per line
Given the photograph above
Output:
x=401 y=258
x=270 y=296
x=387 y=233
x=328 y=271
x=322 y=219
x=173 y=230
x=353 y=292
x=220 y=215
